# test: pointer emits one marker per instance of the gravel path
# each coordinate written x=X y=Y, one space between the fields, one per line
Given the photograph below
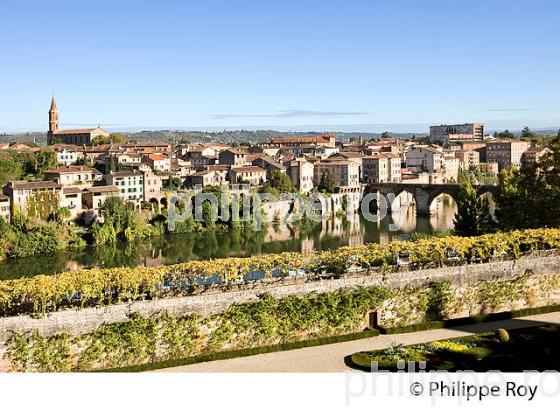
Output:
x=330 y=358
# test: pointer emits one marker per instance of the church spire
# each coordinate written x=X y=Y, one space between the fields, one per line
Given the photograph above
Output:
x=53 y=117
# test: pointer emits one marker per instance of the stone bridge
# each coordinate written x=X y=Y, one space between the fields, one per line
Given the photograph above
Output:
x=423 y=194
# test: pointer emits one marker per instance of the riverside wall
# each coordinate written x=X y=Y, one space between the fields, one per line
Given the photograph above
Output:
x=80 y=321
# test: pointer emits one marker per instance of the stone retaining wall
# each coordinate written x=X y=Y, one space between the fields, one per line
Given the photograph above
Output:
x=79 y=321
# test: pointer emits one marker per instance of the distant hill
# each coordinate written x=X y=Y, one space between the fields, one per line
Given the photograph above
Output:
x=227 y=137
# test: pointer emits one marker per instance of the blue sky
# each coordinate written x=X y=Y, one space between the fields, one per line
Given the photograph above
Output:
x=309 y=65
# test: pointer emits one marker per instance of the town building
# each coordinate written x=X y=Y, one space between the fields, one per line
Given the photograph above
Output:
x=76 y=136
x=208 y=177
x=424 y=159
x=344 y=173
x=467 y=159
x=152 y=186
x=34 y=199
x=507 y=154
x=533 y=155
x=381 y=168
x=72 y=200
x=93 y=198
x=445 y=134
x=130 y=184
x=233 y=157
x=301 y=173
x=5 y=207
x=158 y=162
x=67 y=154
x=247 y=174
x=269 y=164
x=324 y=139
x=74 y=175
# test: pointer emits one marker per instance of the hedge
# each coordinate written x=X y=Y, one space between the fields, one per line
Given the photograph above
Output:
x=464 y=321
x=98 y=286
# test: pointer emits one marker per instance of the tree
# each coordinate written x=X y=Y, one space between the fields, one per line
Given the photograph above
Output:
x=326 y=184
x=10 y=170
x=174 y=183
x=526 y=133
x=280 y=181
x=386 y=134
x=113 y=138
x=507 y=134
x=473 y=213
x=530 y=197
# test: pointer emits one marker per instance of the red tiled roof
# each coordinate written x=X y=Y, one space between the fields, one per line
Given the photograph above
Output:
x=301 y=140
x=71 y=169
x=81 y=131
x=250 y=168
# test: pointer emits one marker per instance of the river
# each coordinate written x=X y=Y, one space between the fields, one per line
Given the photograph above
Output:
x=330 y=234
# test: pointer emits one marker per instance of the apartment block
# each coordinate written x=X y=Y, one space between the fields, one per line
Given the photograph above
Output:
x=381 y=168
x=507 y=154
x=344 y=173
x=446 y=134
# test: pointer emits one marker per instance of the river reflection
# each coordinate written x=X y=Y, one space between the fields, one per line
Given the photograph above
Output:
x=330 y=234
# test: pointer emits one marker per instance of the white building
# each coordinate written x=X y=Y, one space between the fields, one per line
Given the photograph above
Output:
x=130 y=184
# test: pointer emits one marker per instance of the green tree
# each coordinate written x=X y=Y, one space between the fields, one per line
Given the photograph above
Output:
x=473 y=212
x=527 y=134
x=326 y=184
x=280 y=181
x=10 y=170
x=113 y=138
x=507 y=134
x=530 y=197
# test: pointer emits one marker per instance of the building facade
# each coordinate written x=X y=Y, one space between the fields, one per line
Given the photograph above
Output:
x=445 y=134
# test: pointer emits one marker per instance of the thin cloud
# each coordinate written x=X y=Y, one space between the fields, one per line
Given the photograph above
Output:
x=289 y=114
x=510 y=110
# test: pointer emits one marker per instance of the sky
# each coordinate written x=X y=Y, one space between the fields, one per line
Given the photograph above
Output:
x=290 y=65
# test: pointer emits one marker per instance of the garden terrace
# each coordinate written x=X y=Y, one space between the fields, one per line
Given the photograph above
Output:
x=97 y=287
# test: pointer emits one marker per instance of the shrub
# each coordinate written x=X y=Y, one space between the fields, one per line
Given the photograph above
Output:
x=502 y=335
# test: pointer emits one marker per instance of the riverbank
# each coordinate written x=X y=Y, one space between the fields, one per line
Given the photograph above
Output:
x=178 y=248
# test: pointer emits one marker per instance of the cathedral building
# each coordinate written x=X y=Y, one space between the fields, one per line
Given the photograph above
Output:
x=76 y=137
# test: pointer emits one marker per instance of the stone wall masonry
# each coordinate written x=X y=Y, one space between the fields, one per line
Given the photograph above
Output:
x=80 y=321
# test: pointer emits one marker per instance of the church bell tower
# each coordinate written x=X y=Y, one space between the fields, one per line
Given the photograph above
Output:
x=53 y=118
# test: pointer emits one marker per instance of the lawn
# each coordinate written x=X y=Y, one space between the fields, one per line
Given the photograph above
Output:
x=533 y=348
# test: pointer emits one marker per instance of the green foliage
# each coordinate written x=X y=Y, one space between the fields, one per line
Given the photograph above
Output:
x=438 y=300
x=507 y=134
x=312 y=315
x=10 y=170
x=502 y=335
x=113 y=138
x=37 y=353
x=120 y=223
x=530 y=197
x=24 y=238
x=144 y=340
x=101 y=286
x=174 y=183
x=326 y=184
x=473 y=213
x=280 y=181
